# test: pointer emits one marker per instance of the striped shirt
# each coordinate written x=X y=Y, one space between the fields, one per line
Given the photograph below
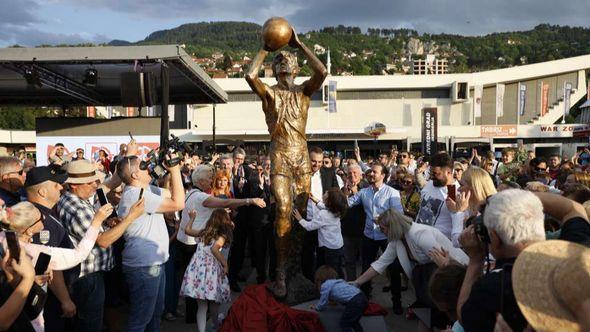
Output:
x=76 y=216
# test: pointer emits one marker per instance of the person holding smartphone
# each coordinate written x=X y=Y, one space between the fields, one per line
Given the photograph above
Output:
x=433 y=208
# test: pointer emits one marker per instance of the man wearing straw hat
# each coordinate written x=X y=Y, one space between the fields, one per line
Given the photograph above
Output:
x=514 y=220
x=76 y=214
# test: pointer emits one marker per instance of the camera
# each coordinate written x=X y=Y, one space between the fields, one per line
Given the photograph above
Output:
x=156 y=159
x=480 y=229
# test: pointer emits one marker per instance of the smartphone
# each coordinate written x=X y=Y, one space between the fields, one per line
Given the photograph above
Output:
x=42 y=263
x=13 y=245
x=131 y=136
x=102 y=199
x=452 y=192
x=356 y=144
x=140 y=194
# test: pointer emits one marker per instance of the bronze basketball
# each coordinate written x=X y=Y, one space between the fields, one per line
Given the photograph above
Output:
x=276 y=33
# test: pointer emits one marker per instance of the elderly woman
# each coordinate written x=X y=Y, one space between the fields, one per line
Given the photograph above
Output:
x=198 y=202
x=412 y=243
x=26 y=220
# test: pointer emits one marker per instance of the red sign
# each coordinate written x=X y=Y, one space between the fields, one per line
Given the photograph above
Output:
x=499 y=131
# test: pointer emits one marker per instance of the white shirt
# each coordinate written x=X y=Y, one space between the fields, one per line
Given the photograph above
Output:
x=434 y=212
x=421 y=239
x=328 y=226
x=194 y=201
x=317 y=190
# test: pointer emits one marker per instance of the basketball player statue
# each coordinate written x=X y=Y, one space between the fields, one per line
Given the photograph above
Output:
x=285 y=107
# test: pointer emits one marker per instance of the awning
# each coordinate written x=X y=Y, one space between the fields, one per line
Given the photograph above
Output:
x=61 y=72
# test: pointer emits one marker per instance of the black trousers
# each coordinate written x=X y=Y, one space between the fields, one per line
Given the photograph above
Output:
x=184 y=253
x=308 y=254
x=238 y=248
x=369 y=255
x=261 y=239
x=332 y=258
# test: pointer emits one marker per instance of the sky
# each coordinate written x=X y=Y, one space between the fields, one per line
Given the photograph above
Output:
x=36 y=22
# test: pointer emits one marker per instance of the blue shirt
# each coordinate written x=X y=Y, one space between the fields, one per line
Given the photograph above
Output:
x=336 y=290
x=376 y=202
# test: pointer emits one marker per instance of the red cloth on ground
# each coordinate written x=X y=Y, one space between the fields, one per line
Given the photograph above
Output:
x=257 y=310
x=373 y=309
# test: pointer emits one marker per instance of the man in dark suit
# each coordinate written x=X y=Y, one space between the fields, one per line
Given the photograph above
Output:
x=241 y=188
x=322 y=179
x=260 y=221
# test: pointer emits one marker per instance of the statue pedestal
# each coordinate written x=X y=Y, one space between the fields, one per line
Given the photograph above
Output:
x=299 y=290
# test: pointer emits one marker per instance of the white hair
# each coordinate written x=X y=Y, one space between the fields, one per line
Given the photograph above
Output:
x=354 y=166
x=516 y=216
x=201 y=172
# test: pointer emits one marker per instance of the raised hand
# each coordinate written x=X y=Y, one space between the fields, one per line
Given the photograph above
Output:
x=102 y=214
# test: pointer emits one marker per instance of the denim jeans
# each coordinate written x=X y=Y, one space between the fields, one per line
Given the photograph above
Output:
x=146 y=297
x=353 y=312
x=172 y=284
x=88 y=295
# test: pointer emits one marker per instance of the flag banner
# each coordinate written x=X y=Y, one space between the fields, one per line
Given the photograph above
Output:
x=521 y=98
x=544 y=98
x=567 y=92
x=500 y=88
x=429 y=131
x=332 y=97
x=478 y=93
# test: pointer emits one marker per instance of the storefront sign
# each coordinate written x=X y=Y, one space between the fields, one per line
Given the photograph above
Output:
x=499 y=131
x=429 y=131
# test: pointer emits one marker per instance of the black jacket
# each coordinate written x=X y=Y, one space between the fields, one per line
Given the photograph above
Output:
x=353 y=221
x=329 y=180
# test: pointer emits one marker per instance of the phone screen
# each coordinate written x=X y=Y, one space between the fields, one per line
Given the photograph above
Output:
x=102 y=198
x=140 y=194
x=452 y=191
x=42 y=264
x=13 y=245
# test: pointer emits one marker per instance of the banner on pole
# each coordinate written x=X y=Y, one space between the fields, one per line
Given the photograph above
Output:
x=567 y=92
x=500 y=88
x=521 y=98
x=478 y=93
x=429 y=131
x=332 y=97
x=544 y=98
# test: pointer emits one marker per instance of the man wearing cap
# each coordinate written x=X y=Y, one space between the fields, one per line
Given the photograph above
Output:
x=43 y=187
x=147 y=242
x=12 y=178
x=76 y=214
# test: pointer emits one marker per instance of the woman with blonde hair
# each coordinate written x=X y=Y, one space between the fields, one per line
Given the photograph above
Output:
x=412 y=243
x=476 y=187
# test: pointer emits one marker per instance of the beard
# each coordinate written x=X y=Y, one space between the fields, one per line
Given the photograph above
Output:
x=439 y=183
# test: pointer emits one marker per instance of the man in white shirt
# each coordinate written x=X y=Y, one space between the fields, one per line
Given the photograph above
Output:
x=322 y=179
x=433 y=210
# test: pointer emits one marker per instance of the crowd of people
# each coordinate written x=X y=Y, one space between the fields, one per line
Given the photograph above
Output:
x=483 y=244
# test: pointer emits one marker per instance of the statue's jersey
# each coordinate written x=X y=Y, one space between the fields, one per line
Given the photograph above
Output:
x=286 y=119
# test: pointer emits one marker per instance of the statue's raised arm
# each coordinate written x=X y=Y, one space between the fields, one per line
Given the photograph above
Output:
x=319 y=70
x=252 y=76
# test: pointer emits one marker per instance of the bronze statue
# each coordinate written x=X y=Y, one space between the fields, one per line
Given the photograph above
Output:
x=285 y=107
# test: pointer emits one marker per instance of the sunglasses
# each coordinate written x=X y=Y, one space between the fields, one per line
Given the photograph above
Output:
x=17 y=172
x=404 y=156
x=540 y=169
x=458 y=170
x=408 y=182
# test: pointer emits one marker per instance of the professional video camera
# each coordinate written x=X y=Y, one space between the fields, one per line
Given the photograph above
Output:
x=169 y=155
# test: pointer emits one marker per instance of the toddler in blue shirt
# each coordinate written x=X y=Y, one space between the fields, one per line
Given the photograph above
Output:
x=339 y=291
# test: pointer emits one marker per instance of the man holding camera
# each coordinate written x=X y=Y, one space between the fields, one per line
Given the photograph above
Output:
x=146 y=240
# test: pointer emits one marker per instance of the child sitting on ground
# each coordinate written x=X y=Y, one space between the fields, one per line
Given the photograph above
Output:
x=339 y=291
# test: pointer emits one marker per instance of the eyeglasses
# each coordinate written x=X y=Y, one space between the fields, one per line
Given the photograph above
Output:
x=41 y=219
x=20 y=172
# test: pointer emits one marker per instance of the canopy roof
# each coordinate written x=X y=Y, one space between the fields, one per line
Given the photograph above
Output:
x=61 y=72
